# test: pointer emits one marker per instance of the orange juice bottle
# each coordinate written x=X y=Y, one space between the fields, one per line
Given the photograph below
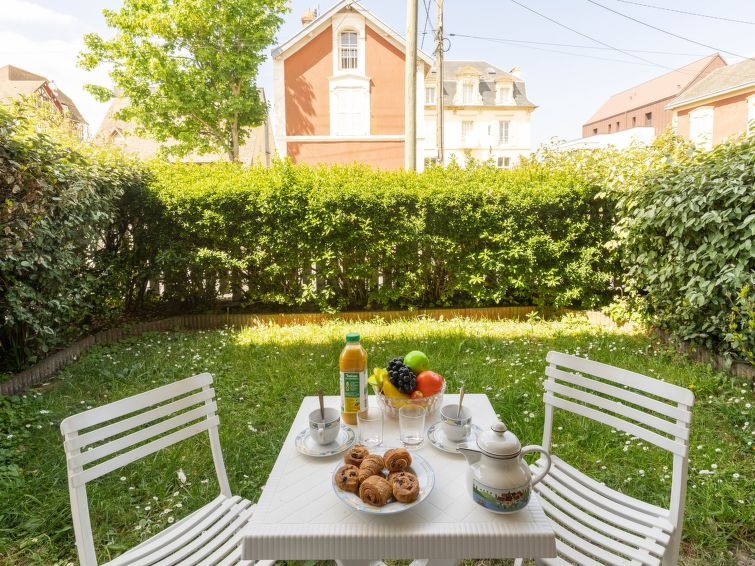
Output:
x=353 y=366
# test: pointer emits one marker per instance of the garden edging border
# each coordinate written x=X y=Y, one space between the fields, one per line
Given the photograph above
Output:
x=46 y=369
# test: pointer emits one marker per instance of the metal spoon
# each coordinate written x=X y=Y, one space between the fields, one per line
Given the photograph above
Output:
x=461 y=400
x=322 y=404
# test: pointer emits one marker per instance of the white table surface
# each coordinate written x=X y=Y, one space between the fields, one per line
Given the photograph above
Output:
x=299 y=517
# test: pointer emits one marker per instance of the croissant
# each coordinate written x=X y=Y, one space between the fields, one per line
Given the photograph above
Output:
x=405 y=487
x=347 y=478
x=375 y=490
x=356 y=454
x=372 y=465
x=397 y=459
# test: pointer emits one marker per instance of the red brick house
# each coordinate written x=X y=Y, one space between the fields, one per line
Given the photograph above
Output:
x=645 y=104
x=339 y=90
x=717 y=107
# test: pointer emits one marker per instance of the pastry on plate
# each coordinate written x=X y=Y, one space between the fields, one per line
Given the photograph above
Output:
x=356 y=454
x=347 y=478
x=397 y=459
x=405 y=487
x=375 y=490
x=372 y=465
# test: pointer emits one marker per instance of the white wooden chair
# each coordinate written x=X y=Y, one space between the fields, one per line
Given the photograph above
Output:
x=595 y=524
x=101 y=440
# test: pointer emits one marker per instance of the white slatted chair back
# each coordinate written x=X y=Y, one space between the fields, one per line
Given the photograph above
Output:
x=103 y=439
x=645 y=407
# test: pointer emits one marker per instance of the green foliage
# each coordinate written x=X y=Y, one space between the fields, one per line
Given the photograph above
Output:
x=689 y=247
x=343 y=237
x=55 y=204
x=189 y=68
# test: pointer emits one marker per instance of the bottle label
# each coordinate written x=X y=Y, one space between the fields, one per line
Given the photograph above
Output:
x=353 y=391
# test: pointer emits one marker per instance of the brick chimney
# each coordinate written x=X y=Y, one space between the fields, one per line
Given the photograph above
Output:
x=308 y=16
x=517 y=72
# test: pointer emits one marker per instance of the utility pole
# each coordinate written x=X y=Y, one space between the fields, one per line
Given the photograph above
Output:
x=410 y=110
x=439 y=86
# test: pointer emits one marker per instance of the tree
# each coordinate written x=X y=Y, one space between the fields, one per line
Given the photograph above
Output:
x=188 y=68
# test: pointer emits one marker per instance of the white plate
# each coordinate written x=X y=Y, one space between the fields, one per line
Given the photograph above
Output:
x=425 y=477
x=438 y=438
x=306 y=444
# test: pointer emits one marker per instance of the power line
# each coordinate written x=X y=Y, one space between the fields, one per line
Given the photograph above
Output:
x=687 y=13
x=427 y=20
x=508 y=40
x=589 y=37
x=663 y=30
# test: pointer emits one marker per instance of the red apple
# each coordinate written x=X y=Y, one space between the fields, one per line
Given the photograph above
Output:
x=429 y=383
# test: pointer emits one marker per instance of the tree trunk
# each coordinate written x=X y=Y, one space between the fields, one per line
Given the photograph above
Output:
x=235 y=139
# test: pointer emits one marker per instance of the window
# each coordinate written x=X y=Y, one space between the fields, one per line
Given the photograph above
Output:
x=609 y=128
x=466 y=132
x=430 y=161
x=701 y=126
x=467 y=94
x=350 y=112
x=348 y=50
x=503 y=132
x=504 y=162
x=634 y=121
x=430 y=95
x=504 y=95
x=595 y=131
x=618 y=126
x=648 y=118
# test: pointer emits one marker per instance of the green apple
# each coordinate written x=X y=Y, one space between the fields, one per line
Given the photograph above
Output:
x=417 y=361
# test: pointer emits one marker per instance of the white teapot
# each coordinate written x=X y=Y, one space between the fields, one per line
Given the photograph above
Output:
x=498 y=478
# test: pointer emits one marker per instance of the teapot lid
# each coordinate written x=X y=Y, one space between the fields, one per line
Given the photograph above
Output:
x=499 y=442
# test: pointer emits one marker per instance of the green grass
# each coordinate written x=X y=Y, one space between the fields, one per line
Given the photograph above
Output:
x=261 y=375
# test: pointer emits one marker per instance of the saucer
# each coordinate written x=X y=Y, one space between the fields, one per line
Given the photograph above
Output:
x=307 y=445
x=438 y=438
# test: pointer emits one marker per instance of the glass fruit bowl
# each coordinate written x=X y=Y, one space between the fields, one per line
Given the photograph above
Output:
x=391 y=405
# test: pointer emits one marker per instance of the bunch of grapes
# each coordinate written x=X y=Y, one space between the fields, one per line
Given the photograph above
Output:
x=401 y=376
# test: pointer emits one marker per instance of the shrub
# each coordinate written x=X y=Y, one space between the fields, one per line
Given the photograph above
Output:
x=342 y=237
x=689 y=247
x=55 y=205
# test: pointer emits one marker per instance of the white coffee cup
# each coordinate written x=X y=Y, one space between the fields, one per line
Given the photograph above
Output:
x=324 y=430
x=455 y=428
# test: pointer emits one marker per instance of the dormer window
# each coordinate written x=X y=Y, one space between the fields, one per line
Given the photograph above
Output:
x=467 y=94
x=430 y=95
x=504 y=94
x=348 y=50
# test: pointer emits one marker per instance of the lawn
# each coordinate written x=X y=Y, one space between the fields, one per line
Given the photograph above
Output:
x=262 y=373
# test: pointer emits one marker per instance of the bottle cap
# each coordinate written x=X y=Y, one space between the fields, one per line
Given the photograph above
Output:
x=352 y=337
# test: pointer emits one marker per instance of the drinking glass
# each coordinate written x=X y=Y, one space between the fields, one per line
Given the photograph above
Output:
x=370 y=422
x=411 y=422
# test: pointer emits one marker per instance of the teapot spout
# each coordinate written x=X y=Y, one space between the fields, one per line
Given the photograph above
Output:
x=469 y=452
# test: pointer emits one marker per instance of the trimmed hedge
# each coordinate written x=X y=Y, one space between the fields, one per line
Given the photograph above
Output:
x=343 y=237
x=689 y=248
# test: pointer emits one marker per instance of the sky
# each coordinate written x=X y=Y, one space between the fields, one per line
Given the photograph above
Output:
x=566 y=83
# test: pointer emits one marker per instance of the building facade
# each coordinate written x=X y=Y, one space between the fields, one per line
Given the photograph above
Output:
x=645 y=105
x=16 y=83
x=720 y=106
x=257 y=148
x=339 y=90
x=486 y=114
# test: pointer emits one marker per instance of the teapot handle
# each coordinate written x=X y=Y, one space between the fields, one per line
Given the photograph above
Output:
x=534 y=448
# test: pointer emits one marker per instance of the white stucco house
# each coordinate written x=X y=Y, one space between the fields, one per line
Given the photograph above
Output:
x=486 y=114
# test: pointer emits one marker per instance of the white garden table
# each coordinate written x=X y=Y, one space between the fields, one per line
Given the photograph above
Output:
x=299 y=517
